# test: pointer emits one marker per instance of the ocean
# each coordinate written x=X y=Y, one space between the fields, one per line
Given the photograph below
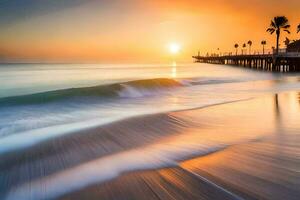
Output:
x=57 y=104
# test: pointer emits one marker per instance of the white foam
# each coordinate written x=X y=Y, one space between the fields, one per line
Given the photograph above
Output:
x=32 y=137
x=134 y=92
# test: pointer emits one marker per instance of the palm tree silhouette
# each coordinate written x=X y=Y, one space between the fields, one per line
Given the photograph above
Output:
x=263 y=43
x=298 y=28
x=236 y=46
x=244 y=46
x=277 y=24
x=250 y=44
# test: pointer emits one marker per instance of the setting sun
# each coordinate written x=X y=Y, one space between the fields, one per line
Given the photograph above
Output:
x=174 y=48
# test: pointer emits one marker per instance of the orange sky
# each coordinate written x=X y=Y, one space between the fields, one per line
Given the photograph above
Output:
x=135 y=31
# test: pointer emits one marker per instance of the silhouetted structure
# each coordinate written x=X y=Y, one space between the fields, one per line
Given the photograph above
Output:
x=283 y=62
x=278 y=24
x=263 y=43
x=293 y=46
x=236 y=46
x=287 y=60
x=250 y=44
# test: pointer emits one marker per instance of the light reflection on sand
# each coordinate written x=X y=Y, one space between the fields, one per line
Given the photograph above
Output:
x=202 y=131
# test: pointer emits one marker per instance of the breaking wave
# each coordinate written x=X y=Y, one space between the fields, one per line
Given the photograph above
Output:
x=136 y=88
x=131 y=89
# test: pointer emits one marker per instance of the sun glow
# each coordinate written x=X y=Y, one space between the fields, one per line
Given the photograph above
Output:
x=174 y=48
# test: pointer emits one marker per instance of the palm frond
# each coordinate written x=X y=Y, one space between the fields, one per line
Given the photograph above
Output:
x=286 y=26
x=298 y=28
x=273 y=24
x=287 y=31
x=280 y=21
x=271 y=30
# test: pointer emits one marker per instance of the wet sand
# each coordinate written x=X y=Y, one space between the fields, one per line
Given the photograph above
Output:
x=260 y=170
x=241 y=150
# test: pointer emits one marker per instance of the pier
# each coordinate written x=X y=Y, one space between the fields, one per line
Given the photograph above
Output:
x=282 y=62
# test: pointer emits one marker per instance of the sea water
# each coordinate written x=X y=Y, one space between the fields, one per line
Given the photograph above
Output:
x=36 y=99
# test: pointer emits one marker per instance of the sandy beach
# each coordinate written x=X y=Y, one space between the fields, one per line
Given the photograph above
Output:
x=250 y=171
x=264 y=169
x=239 y=150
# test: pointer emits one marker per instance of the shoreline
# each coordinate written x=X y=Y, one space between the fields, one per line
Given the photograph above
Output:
x=159 y=139
x=65 y=134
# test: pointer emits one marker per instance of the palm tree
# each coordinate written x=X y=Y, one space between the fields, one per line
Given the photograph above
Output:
x=277 y=24
x=244 y=46
x=298 y=28
x=236 y=46
x=263 y=43
x=250 y=44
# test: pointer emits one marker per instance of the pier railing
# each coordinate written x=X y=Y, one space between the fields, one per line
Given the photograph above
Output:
x=281 y=52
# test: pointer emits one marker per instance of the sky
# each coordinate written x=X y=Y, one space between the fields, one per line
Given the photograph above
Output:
x=135 y=31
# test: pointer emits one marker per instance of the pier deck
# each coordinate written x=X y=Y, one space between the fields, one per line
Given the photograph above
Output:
x=287 y=62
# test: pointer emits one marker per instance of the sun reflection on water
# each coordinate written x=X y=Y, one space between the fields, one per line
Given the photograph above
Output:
x=174 y=70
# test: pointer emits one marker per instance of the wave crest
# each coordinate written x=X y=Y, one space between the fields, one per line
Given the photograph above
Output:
x=129 y=89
